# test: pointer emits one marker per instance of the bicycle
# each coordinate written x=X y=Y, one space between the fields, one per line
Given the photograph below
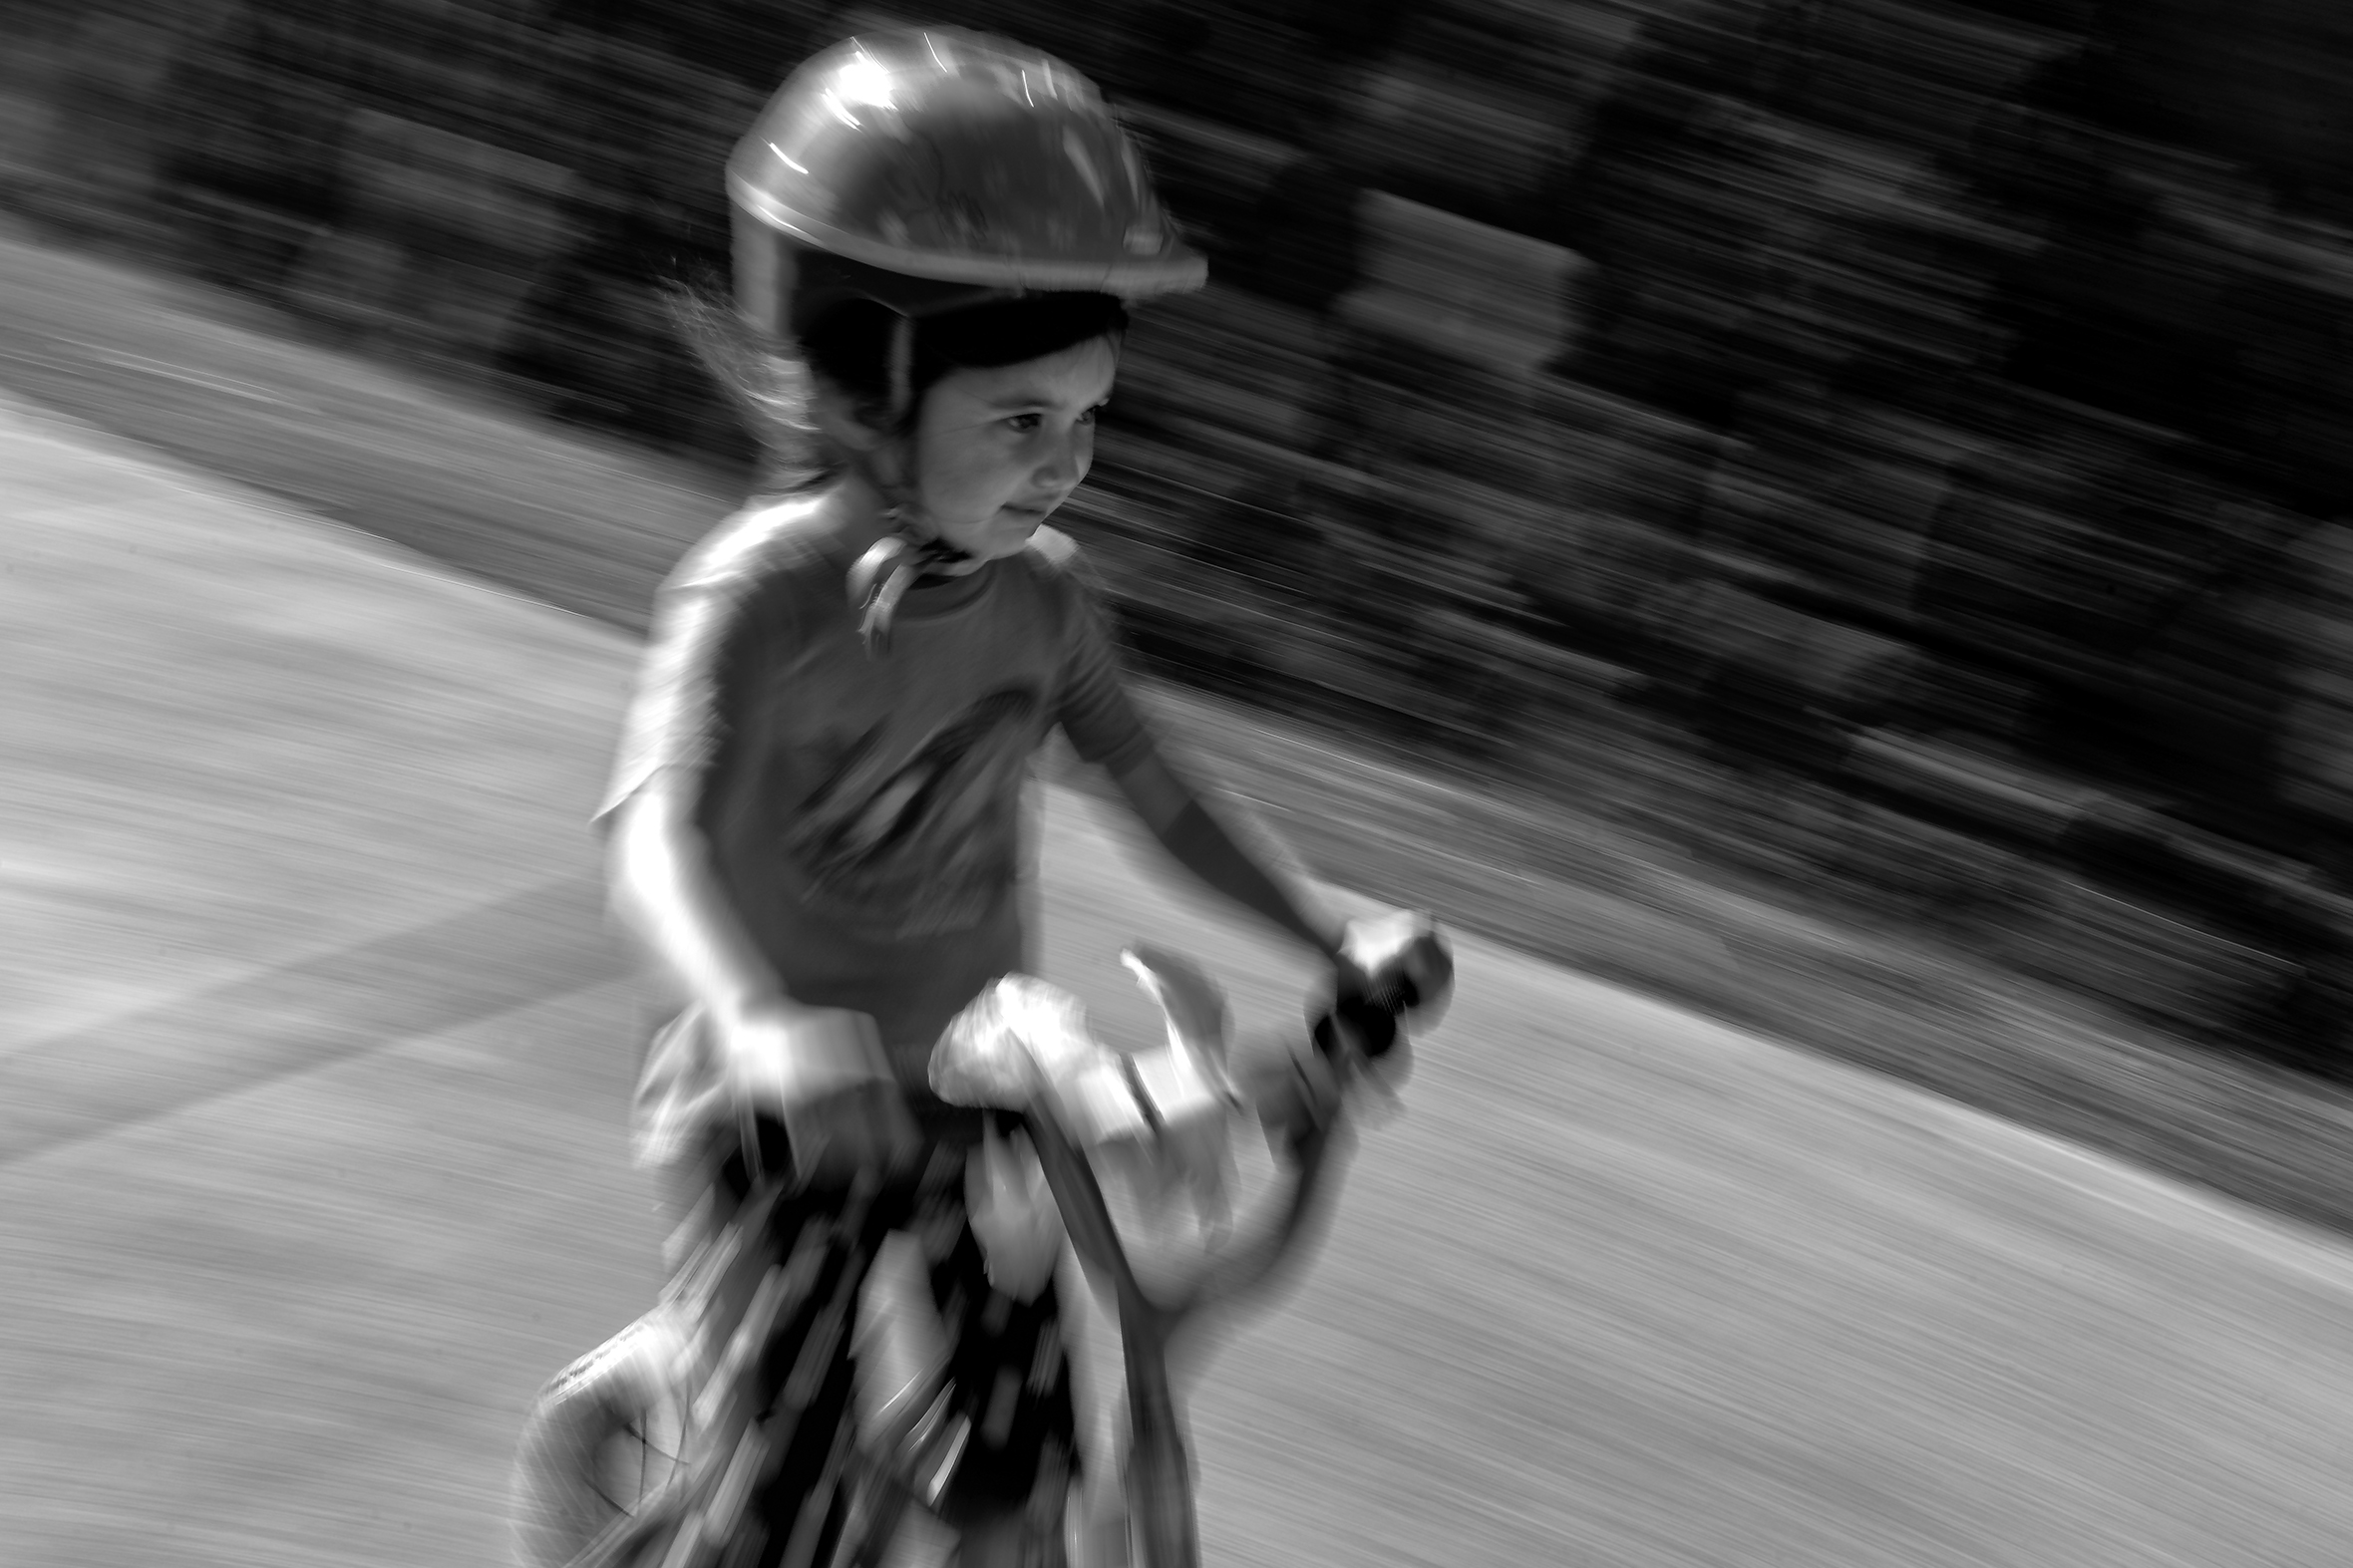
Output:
x=693 y=1394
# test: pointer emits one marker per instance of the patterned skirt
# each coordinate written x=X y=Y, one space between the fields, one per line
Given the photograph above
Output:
x=772 y=1473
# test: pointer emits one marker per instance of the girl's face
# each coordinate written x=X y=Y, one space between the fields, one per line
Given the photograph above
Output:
x=996 y=450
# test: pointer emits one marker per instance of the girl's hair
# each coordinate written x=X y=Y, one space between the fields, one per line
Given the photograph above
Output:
x=850 y=346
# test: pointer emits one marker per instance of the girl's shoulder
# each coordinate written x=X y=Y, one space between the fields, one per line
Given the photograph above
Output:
x=1055 y=560
x=771 y=576
x=765 y=549
x=1052 y=550
x=1063 y=584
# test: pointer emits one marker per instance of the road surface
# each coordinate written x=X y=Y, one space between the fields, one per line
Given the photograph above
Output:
x=314 y=1057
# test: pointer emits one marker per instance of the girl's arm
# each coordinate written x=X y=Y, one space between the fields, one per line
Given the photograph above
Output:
x=1176 y=816
x=820 y=1071
x=663 y=888
x=1103 y=724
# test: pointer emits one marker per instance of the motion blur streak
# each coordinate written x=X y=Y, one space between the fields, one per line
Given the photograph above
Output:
x=1829 y=510
x=1618 y=1284
x=299 y=1017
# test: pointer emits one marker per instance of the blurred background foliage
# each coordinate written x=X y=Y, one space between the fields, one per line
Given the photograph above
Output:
x=1897 y=449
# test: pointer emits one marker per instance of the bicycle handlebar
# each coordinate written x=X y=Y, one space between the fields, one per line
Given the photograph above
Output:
x=1349 y=1033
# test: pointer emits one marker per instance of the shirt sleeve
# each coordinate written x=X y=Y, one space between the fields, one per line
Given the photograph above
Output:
x=1095 y=711
x=709 y=626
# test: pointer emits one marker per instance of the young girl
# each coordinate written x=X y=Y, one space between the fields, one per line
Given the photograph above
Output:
x=815 y=824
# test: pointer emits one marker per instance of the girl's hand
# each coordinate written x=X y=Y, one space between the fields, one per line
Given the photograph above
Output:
x=823 y=1072
x=1398 y=962
x=1391 y=974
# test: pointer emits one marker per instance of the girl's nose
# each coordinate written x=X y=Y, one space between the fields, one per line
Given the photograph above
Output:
x=1062 y=461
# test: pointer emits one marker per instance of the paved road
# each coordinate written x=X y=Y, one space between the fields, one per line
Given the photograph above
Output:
x=217 y=381
x=313 y=1057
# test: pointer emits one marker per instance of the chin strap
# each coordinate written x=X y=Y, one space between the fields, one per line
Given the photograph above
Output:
x=902 y=557
x=891 y=566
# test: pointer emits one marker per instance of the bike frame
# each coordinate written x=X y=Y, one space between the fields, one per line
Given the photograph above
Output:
x=736 y=1287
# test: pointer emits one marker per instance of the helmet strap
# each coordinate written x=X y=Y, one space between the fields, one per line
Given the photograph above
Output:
x=896 y=467
x=884 y=574
x=910 y=551
x=903 y=370
x=938 y=557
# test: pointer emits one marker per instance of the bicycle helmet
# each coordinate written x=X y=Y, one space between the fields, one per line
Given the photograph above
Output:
x=928 y=169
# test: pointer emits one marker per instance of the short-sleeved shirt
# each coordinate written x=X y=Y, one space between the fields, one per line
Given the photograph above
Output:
x=864 y=811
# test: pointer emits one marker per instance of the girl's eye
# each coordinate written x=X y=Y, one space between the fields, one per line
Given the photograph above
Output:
x=1024 y=422
x=1088 y=417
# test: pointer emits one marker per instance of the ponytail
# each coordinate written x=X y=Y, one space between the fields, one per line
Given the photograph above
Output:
x=772 y=392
